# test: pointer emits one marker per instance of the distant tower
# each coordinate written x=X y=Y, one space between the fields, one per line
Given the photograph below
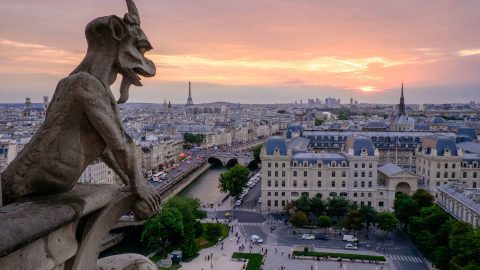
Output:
x=45 y=102
x=28 y=103
x=401 y=106
x=189 y=100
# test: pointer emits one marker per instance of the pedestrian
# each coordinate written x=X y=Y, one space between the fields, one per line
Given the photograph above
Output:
x=311 y=267
x=282 y=252
x=275 y=250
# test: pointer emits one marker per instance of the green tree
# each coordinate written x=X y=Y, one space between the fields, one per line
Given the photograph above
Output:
x=387 y=222
x=324 y=222
x=353 y=221
x=299 y=219
x=423 y=198
x=317 y=206
x=256 y=152
x=163 y=228
x=318 y=122
x=404 y=208
x=369 y=215
x=464 y=245
x=234 y=180
x=303 y=204
x=337 y=207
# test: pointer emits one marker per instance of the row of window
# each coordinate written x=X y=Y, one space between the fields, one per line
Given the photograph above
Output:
x=319 y=195
x=319 y=174
x=283 y=203
x=319 y=183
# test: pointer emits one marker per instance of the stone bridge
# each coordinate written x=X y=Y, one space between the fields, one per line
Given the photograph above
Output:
x=231 y=158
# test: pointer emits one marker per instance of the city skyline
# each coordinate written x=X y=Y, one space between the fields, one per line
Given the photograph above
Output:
x=260 y=52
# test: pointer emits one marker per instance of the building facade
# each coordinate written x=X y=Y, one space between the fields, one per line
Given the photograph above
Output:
x=97 y=173
x=461 y=202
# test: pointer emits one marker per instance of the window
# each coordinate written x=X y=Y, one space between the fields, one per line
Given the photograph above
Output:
x=344 y=174
x=446 y=165
x=356 y=165
x=438 y=184
x=355 y=174
x=283 y=202
x=370 y=165
x=269 y=193
x=445 y=175
x=363 y=165
x=363 y=174
x=269 y=164
x=283 y=173
x=474 y=184
x=369 y=203
x=276 y=164
x=294 y=194
x=369 y=195
x=438 y=174
x=453 y=166
x=294 y=183
x=283 y=183
x=283 y=164
x=319 y=165
x=464 y=174
x=354 y=194
x=276 y=183
x=370 y=174
x=355 y=183
x=283 y=193
x=276 y=203
x=305 y=174
x=343 y=183
x=333 y=174
x=305 y=194
x=380 y=204
x=369 y=183
x=343 y=194
x=319 y=195
x=269 y=183
x=362 y=194
x=276 y=174
x=295 y=173
x=332 y=194
x=319 y=183
x=453 y=174
x=438 y=165
x=305 y=183
x=474 y=174
x=319 y=174
x=362 y=184
x=269 y=173
x=333 y=183
x=269 y=203
x=276 y=194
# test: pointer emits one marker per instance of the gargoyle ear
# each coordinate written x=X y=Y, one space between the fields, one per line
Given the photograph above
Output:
x=117 y=26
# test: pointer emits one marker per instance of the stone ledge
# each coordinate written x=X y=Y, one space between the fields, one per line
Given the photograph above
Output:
x=35 y=217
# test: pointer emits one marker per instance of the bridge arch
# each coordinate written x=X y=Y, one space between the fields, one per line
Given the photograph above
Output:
x=231 y=162
x=215 y=161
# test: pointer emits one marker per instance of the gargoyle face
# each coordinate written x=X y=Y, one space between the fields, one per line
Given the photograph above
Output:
x=131 y=61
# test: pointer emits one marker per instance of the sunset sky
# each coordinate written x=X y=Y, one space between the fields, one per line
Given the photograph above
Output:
x=259 y=51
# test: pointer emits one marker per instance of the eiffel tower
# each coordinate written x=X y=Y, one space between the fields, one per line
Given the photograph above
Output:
x=189 y=100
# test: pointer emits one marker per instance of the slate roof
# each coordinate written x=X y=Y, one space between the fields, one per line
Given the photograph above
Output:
x=298 y=144
x=467 y=200
x=276 y=142
x=294 y=128
x=469 y=147
x=440 y=143
x=313 y=158
x=468 y=131
x=390 y=169
x=357 y=143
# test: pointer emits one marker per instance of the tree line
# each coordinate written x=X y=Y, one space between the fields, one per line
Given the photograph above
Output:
x=338 y=211
x=448 y=243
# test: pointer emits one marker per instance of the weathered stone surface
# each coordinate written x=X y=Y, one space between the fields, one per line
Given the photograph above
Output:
x=82 y=122
x=26 y=222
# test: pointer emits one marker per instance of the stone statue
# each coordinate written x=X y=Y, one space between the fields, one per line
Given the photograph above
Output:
x=83 y=123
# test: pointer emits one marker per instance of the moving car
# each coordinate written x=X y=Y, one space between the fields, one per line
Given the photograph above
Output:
x=350 y=246
x=321 y=236
x=307 y=236
x=238 y=202
x=256 y=239
x=350 y=238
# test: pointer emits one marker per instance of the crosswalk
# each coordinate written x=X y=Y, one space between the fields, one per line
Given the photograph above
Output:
x=250 y=223
x=246 y=209
x=405 y=258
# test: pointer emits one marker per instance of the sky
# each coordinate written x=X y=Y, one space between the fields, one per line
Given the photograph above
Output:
x=259 y=51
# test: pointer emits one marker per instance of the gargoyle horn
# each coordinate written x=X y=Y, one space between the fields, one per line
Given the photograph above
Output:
x=133 y=12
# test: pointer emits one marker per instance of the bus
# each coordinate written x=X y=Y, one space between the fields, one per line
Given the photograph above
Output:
x=158 y=177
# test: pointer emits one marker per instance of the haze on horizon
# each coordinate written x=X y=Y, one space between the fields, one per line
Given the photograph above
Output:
x=261 y=51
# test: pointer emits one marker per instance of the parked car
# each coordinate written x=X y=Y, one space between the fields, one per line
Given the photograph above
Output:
x=307 y=236
x=321 y=236
x=256 y=239
x=350 y=238
x=238 y=202
x=350 y=246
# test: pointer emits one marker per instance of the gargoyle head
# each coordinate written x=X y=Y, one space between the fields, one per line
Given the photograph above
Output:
x=124 y=40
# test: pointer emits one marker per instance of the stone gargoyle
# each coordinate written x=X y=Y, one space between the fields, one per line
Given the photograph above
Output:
x=82 y=121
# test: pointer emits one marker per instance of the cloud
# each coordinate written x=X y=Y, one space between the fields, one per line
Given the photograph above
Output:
x=469 y=52
x=294 y=81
